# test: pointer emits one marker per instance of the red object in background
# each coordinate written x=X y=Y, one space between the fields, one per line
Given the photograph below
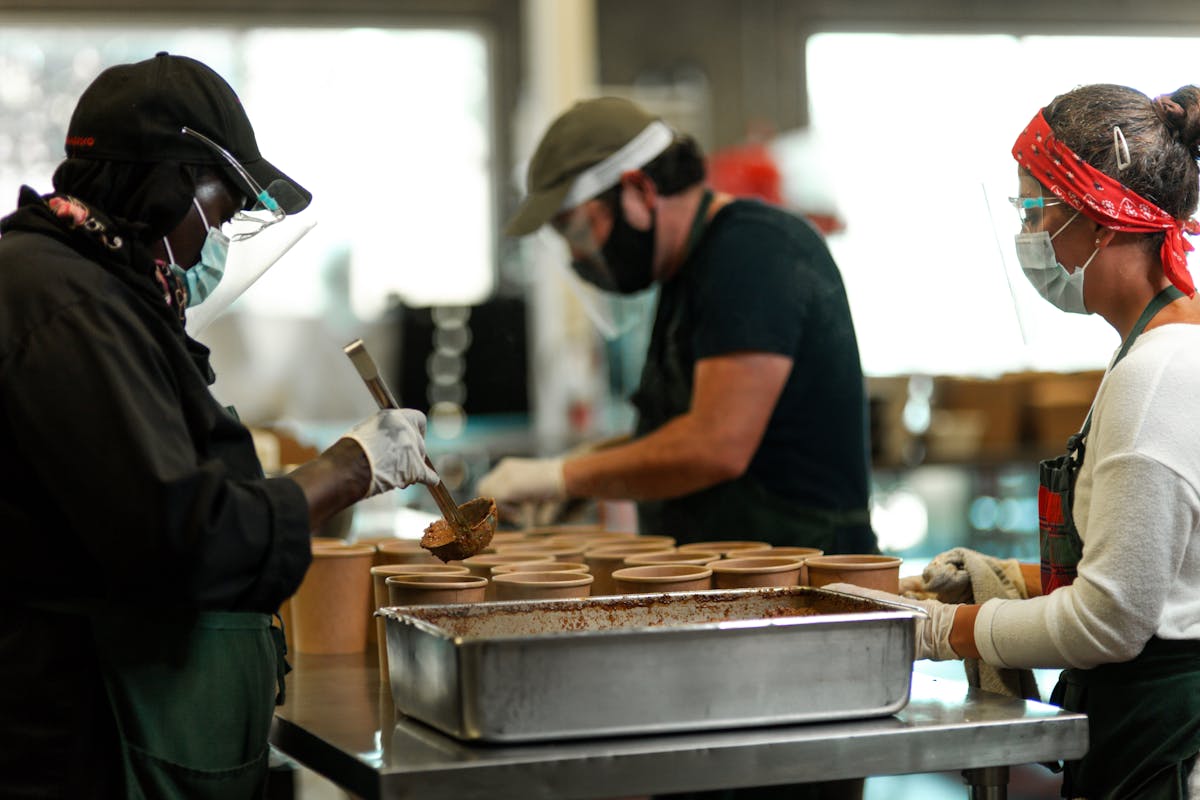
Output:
x=749 y=170
x=825 y=223
x=746 y=170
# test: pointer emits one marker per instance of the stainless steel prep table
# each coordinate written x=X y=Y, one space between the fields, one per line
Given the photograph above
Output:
x=339 y=723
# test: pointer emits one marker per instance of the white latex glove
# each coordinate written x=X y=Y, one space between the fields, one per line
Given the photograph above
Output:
x=933 y=631
x=525 y=480
x=394 y=441
x=537 y=513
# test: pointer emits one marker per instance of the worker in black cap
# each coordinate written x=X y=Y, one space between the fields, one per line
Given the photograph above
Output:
x=144 y=551
x=751 y=407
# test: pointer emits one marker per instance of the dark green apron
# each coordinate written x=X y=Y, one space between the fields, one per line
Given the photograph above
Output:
x=1143 y=724
x=742 y=508
x=745 y=509
x=192 y=697
x=1143 y=714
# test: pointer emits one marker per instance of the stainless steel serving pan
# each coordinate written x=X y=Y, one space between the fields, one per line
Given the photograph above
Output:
x=638 y=664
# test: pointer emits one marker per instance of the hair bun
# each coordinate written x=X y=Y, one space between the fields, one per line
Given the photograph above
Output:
x=1180 y=111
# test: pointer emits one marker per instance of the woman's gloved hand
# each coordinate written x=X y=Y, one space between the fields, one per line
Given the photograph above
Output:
x=955 y=575
x=933 y=630
x=525 y=480
x=394 y=443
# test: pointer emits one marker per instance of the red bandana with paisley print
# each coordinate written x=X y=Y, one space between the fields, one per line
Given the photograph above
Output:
x=1103 y=199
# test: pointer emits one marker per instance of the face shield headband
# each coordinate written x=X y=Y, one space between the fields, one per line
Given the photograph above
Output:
x=635 y=154
x=263 y=197
x=1103 y=199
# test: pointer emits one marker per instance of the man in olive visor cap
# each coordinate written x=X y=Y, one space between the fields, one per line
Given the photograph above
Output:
x=751 y=407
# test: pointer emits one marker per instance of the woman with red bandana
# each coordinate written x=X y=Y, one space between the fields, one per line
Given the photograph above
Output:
x=1108 y=184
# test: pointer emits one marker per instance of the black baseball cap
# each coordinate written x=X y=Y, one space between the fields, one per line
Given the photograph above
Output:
x=137 y=112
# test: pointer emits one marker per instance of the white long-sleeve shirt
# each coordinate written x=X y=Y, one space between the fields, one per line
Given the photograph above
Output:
x=1137 y=510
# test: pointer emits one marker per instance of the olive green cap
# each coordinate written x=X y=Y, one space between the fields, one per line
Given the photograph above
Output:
x=584 y=135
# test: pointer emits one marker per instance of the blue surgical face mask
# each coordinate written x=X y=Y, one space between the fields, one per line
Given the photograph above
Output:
x=1035 y=253
x=203 y=276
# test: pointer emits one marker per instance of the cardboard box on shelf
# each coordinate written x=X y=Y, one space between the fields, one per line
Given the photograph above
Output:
x=1015 y=415
x=995 y=404
x=1058 y=406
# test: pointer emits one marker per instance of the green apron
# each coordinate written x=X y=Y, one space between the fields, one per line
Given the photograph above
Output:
x=1143 y=724
x=192 y=697
x=738 y=509
x=744 y=509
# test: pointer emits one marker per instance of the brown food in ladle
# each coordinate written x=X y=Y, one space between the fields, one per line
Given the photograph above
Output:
x=446 y=543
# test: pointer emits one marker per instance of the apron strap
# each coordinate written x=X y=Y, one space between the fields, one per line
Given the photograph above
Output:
x=282 y=667
x=699 y=223
x=1158 y=303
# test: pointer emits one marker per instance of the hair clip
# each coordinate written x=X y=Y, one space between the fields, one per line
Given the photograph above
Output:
x=1121 y=147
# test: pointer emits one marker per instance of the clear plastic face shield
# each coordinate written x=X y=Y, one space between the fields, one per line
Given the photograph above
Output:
x=258 y=238
x=1018 y=208
x=573 y=257
x=586 y=259
x=616 y=297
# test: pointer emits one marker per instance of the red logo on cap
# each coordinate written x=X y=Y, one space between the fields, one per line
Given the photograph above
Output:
x=80 y=141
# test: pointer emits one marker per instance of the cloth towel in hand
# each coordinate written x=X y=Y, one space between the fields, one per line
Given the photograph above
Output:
x=965 y=576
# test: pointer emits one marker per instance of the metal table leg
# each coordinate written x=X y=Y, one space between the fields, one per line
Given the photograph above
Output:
x=986 y=783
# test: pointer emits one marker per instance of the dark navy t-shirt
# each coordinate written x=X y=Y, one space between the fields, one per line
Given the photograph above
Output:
x=762 y=280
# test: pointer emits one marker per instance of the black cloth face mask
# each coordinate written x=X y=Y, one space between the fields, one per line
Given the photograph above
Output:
x=625 y=263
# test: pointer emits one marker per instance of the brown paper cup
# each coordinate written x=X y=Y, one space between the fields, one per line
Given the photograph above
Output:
x=559 y=552
x=326 y=541
x=797 y=552
x=725 y=546
x=379 y=576
x=542 y=585
x=404 y=551
x=603 y=560
x=756 y=571
x=654 y=538
x=869 y=571
x=540 y=566
x=653 y=578
x=481 y=565
x=331 y=609
x=589 y=540
x=672 y=557
x=423 y=590
x=542 y=531
x=509 y=537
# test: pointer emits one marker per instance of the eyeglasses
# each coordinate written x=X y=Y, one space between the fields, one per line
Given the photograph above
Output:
x=1029 y=209
x=251 y=225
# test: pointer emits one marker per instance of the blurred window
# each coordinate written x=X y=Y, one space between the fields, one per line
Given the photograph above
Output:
x=911 y=129
x=389 y=128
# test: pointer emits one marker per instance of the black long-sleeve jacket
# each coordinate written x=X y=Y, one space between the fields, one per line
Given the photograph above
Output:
x=122 y=480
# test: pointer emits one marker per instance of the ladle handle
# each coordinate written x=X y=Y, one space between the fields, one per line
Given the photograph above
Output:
x=379 y=390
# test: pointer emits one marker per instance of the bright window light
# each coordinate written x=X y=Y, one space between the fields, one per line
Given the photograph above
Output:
x=389 y=129
x=908 y=152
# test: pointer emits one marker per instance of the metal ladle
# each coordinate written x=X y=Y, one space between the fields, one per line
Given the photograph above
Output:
x=470 y=535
